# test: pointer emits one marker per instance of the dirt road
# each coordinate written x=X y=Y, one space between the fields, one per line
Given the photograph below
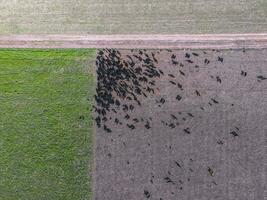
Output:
x=210 y=41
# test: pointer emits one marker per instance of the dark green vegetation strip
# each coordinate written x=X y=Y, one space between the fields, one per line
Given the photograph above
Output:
x=45 y=124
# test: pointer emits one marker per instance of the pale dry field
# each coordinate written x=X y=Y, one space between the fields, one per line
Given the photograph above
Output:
x=132 y=17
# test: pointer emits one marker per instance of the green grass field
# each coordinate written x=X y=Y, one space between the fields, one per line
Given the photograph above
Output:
x=45 y=124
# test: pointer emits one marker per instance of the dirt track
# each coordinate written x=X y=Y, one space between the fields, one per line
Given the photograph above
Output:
x=217 y=41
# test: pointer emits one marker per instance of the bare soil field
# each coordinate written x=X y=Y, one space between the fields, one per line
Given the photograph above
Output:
x=180 y=124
